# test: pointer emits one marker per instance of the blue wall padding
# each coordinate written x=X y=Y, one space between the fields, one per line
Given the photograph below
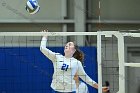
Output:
x=27 y=70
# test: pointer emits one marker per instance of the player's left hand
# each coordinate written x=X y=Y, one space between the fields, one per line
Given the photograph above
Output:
x=105 y=89
x=45 y=31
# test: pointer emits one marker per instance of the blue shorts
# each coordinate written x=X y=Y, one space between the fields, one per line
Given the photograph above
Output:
x=53 y=91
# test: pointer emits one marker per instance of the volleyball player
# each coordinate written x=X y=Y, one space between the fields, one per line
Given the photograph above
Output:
x=66 y=67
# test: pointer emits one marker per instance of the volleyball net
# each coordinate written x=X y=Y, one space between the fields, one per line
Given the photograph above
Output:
x=108 y=57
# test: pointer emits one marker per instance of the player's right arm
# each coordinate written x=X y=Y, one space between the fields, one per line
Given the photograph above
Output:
x=48 y=53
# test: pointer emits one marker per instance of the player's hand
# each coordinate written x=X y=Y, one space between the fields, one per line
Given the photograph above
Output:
x=45 y=31
x=105 y=89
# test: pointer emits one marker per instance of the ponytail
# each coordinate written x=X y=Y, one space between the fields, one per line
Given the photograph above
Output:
x=79 y=55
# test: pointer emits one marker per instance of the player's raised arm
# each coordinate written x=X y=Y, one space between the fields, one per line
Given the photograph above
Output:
x=48 y=53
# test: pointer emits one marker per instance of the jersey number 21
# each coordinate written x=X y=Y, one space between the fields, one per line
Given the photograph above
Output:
x=64 y=67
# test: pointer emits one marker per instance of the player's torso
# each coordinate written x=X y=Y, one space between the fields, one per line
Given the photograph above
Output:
x=65 y=66
x=64 y=71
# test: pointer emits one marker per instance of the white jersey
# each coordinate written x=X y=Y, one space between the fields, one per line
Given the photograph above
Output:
x=64 y=70
x=82 y=88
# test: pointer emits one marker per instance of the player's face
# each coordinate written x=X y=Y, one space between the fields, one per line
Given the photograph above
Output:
x=69 y=47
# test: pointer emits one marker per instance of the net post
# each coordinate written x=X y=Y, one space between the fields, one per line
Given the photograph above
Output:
x=121 y=57
x=99 y=60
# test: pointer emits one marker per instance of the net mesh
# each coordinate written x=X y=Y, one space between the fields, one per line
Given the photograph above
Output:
x=110 y=66
x=24 y=68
